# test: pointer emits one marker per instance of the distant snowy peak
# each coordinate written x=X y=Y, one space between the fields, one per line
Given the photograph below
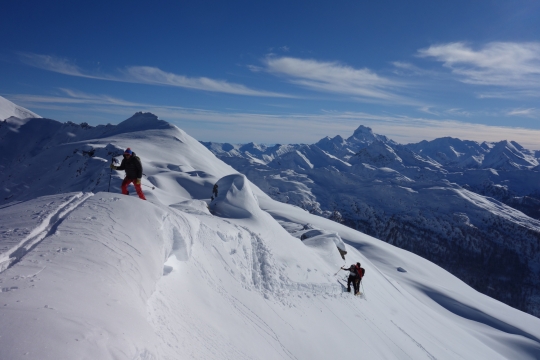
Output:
x=378 y=154
x=222 y=149
x=507 y=155
x=306 y=158
x=254 y=148
x=332 y=144
x=451 y=151
x=344 y=149
x=364 y=135
x=258 y=153
x=503 y=155
x=9 y=109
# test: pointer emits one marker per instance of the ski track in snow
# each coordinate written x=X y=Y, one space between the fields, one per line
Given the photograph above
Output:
x=46 y=228
x=415 y=342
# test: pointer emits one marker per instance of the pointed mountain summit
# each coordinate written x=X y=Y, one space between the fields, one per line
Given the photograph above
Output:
x=364 y=135
x=331 y=144
x=9 y=109
x=141 y=121
x=344 y=149
x=253 y=148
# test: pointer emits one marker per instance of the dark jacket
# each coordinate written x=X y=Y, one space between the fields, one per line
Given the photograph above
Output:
x=354 y=271
x=132 y=166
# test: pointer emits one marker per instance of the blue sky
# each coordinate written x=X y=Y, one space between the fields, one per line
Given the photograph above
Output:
x=238 y=71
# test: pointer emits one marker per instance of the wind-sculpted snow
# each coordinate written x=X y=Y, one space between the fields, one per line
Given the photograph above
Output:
x=235 y=199
x=93 y=274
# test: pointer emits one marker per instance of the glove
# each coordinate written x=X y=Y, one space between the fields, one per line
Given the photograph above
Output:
x=138 y=181
x=113 y=167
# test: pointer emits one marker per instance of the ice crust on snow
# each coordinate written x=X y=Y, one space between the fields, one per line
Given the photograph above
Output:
x=99 y=275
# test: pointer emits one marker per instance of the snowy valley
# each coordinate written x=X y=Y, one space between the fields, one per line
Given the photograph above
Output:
x=92 y=274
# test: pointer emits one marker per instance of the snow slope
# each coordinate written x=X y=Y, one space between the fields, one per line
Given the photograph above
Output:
x=92 y=274
x=9 y=109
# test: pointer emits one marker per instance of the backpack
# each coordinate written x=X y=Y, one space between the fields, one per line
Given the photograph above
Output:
x=362 y=272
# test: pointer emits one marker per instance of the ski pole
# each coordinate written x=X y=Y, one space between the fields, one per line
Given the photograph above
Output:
x=152 y=187
x=338 y=271
x=110 y=176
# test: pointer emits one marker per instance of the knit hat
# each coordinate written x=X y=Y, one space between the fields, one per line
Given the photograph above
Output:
x=128 y=151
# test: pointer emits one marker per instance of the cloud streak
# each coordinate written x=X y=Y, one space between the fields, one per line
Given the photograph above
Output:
x=334 y=77
x=285 y=128
x=54 y=64
x=72 y=97
x=506 y=64
x=144 y=75
x=529 y=112
x=155 y=76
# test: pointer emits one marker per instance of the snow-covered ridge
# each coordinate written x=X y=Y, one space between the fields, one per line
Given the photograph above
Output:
x=94 y=274
x=9 y=109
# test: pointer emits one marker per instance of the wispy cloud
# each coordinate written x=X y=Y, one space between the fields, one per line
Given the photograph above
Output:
x=529 y=112
x=507 y=64
x=458 y=112
x=55 y=64
x=334 y=77
x=71 y=97
x=155 y=76
x=284 y=128
x=402 y=68
x=427 y=110
x=512 y=95
x=144 y=75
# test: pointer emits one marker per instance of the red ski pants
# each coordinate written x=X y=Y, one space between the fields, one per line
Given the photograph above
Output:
x=138 y=188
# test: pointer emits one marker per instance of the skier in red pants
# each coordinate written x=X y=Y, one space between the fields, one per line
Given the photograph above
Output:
x=133 y=167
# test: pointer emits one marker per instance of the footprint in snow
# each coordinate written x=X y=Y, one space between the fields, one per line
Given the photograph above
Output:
x=6 y=289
